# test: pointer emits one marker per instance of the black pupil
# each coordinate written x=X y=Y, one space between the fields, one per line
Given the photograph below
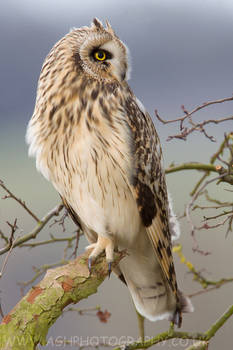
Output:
x=100 y=54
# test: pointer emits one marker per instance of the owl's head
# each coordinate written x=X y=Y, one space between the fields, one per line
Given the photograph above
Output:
x=99 y=52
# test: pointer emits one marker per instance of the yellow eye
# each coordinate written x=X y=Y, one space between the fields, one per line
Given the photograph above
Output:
x=100 y=55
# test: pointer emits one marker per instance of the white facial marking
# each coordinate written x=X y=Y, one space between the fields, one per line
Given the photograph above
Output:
x=118 y=59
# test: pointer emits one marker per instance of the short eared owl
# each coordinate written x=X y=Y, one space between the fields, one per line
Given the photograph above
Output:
x=96 y=143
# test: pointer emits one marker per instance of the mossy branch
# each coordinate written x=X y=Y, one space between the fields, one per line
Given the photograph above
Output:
x=191 y=166
x=28 y=323
x=203 y=167
x=205 y=283
x=171 y=333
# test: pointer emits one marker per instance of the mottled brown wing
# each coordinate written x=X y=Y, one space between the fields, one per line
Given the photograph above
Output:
x=149 y=187
x=72 y=213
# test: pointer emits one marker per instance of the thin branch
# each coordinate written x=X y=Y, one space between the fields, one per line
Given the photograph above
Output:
x=11 y=195
x=218 y=216
x=214 y=200
x=198 y=184
x=39 y=271
x=49 y=241
x=89 y=311
x=213 y=158
x=33 y=234
x=200 y=127
x=61 y=221
x=192 y=166
x=197 y=276
x=185 y=131
x=96 y=311
x=190 y=205
x=11 y=244
x=171 y=333
x=207 y=226
x=78 y=234
x=4 y=237
x=230 y=224
x=227 y=176
x=219 y=323
x=196 y=109
x=1 y=311
x=202 y=207
x=230 y=147
x=219 y=284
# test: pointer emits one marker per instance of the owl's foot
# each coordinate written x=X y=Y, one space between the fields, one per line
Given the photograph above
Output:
x=103 y=243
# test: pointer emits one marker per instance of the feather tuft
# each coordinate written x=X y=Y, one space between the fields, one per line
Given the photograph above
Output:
x=109 y=27
x=97 y=23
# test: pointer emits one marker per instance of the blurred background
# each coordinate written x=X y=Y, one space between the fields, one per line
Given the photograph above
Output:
x=181 y=53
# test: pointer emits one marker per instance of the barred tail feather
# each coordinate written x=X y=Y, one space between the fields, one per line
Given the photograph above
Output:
x=150 y=291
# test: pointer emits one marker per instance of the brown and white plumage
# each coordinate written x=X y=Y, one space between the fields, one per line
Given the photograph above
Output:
x=96 y=143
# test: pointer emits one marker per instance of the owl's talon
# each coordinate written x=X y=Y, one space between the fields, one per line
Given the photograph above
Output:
x=89 y=264
x=109 y=269
x=177 y=318
x=102 y=244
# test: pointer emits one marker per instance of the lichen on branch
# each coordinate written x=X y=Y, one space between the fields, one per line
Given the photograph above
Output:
x=29 y=321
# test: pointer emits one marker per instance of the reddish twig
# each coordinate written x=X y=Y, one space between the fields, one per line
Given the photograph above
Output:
x=188 y=114
x=185 y=131
x=209 y=289
x=207 y=226
x=189 y=207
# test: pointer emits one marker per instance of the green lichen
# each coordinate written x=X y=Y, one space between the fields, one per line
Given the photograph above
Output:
x=30 y=320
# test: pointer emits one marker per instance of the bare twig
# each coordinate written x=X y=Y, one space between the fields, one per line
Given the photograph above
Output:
x=196 y=109
x=38 y=272
x=1 y=311
x=218 y=216
x=49 y=241
x=230 y=223
x=185 y=131
x=74 y=254
x=96 y=311
x=197 y=276
x=213 y=159
x=11 y=242
x=188 y=209
x=11 y=195
x=218 y=284
x=4 y=237
x=33 y=234
x=89 y=311
x=61 y=221
x=221 y=223
x=171 y=333
x=199 y=127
